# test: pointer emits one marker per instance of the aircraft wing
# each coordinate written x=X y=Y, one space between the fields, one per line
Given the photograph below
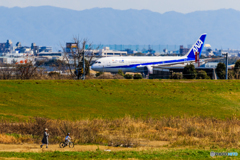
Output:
x=211 y=59
x=202 y=61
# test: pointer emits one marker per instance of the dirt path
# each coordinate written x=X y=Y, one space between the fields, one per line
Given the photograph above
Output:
x=77 y=148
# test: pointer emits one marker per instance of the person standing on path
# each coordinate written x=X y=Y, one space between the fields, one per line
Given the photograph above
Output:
x=45 y=138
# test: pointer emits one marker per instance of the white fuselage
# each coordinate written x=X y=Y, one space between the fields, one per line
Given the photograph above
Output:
x=145 y=64
x=135 y=64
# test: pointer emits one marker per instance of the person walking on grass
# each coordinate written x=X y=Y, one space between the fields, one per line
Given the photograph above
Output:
x=45 y=138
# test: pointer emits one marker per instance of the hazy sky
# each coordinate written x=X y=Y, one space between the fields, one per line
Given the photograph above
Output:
x=184 y=6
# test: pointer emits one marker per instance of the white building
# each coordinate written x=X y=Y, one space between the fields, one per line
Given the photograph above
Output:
x=106 y=52
x=16 y=60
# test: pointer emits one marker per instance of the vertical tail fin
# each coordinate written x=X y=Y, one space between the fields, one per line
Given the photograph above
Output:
x=197 y=47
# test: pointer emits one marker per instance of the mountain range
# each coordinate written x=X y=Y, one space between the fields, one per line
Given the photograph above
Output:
x=52 y=26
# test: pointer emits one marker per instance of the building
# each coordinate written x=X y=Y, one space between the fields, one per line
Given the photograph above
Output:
x=42 y=54
x=71 y=47
x=18 y=45
x=183 y=50
x=6 y=47
x=106 y=52
x=129 y=51
x=218 y=52
x=16 y=60
x=45 y=49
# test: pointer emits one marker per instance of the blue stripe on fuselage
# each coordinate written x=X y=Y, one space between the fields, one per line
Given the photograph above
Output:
x=154 y=63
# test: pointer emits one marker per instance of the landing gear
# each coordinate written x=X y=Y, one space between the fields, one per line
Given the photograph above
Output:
x=145 y=72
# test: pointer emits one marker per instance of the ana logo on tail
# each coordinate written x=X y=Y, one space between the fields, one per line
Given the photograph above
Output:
x=197 y=46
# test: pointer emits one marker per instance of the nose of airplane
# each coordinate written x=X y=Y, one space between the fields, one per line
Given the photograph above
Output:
x=93 y=66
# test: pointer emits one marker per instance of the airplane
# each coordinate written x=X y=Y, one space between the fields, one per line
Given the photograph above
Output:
x=144 y=64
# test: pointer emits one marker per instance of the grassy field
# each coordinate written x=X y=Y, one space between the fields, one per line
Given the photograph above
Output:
x=74 y=100
x=160 y=154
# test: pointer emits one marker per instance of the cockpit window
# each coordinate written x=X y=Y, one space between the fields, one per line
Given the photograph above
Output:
x=97 y=62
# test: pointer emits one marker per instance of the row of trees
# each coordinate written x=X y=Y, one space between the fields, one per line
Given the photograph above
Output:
x=189 y=72
x=20 y=71
x=232 y=74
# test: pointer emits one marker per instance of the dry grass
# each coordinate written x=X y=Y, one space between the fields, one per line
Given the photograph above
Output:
x=6 y=139
x=195 y=131
x=15 y=139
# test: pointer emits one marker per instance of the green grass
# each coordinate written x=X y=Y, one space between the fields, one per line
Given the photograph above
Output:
x=75 y=100
x=162 y=154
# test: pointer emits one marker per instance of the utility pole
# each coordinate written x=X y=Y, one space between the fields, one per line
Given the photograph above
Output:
x=226 y=65
x=83 y=76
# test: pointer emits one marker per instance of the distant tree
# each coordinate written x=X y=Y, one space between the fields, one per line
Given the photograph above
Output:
x=189 y=72
x=7 y=70
x=120 y=72
x=237 y=69
x=128 y=76
x=221 y=70
x=137 y=76
x=202 y=75
x=76 y=56
x=87 y=66
x=27 y=70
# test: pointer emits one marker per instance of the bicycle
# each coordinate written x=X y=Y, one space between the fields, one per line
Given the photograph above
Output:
x=64 y=144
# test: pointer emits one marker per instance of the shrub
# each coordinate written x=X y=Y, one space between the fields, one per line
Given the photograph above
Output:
x=232 y=75
x=99 y=73
x=53 y=74
x=237 y=66
x=176 y=75
x=178 y=131
x=117 y=76
x=202 y=75
x=120 y=72
x=237 y=69
x=128 y=76
x=137 y=76
x=189 y=72
x=6 y=139
x=221 y=70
